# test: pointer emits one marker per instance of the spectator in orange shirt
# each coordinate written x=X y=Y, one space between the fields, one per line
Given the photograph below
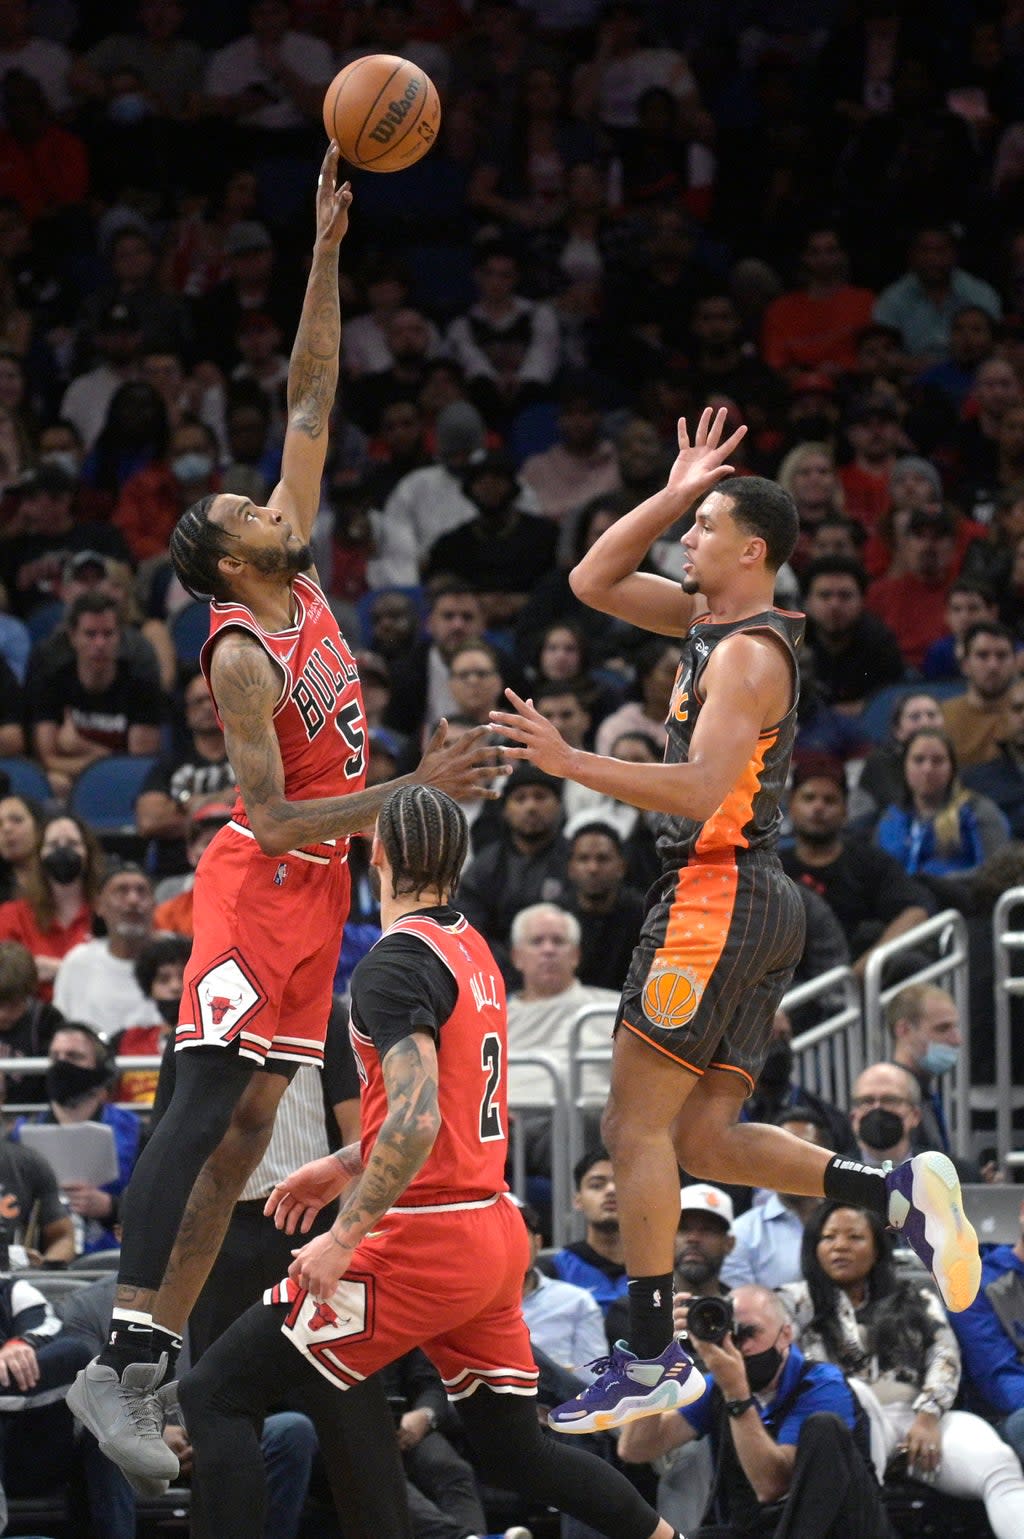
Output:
x=815 y=327
x=876 y=438
x=153 y=499
x=56 y=911
x=159 y=972
x=43 y=167
x=913 y=605
x=175 y=913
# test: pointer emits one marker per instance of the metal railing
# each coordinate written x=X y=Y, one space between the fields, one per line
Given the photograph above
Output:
x=828 y=1057
x=561 y=1168
x=1007 y=987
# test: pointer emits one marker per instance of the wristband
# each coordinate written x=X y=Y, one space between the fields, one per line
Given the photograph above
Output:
x=737 y=1407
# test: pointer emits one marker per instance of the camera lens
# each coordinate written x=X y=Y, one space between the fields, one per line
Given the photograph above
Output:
x=709 y=1319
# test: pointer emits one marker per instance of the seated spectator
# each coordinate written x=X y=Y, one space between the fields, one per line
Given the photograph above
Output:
x=563 y=706
x=45 y=536
x=411 y=340
x=991 y=446
x=656 y=666
x=1001 y=779
x=476 y=682
x=364 y=344
x=160 y=974
x=868 y=891
x=885 y=1112
x=824 y=728
x=855 y=653
x=26 y=1022
x=989 y=1337
x=95 y=705
x=768 y=1237
x=21 y=826
x=808 y=474
x=788 y=1454
x=117 y=343
x=924 y=1025
x=608 y=910
x=420 y=691
x=703 y=1244
x=33 y=1207
x=96 y=981
x=563 y=1319
x=56 y=912
x=990 y=561
x=581 y=464
x=937 y=827
x=968 y=603
x=507 y=345
x=120 y=584
x=503 y=550
x=873 y=428
x=815 y=326
x=443 y=1496
x=915 y=486
x=922 y=304
x=976 y=721
x=79 y=1080
x=179 y=782
x=394 y=624
x=595 y=1262
x=972 y=340
x=174 y=912
x=837 y=536
x=913 y=604
x=852 y=1310
x=87 y=571
x=153 y=499
x=882 y=776
x=563 y=658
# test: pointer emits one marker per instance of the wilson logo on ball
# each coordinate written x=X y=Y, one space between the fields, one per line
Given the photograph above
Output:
x=384 y=130
x=670 y=998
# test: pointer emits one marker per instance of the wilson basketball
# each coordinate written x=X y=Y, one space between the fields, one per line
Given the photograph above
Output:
x=383 y=111
x=669 y=999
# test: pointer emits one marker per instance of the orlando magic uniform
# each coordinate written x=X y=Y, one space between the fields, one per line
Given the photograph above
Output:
x=267 y=928
x=726 y=927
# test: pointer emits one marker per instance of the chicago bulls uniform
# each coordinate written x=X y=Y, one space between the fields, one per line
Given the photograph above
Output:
x=726 y=928
x=268 y=928
x=450 y=1257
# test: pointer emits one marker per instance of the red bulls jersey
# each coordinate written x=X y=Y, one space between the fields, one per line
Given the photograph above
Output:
x=467 y=1161
x=319 y=716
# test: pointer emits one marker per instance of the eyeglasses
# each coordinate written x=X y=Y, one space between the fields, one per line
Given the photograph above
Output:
x=888 y=1102
x=474 y=673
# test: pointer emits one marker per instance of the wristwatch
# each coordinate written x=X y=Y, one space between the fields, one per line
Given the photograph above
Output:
x=431 y=1414
x=737 y=1407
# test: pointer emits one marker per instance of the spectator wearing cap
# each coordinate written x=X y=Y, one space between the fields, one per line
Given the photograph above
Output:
x=525 y=864
x=87 y=571
x=855 y=653
x=609 y=911
x=45 y=533
x=813 y=413
x=508 y=346
x=152 y=500
x=868 y=891
x=922 y=304
x=914 y=486
x=503 y=550
x=179 y=782
x=96 y=981
x=913 y=604
x=174 y=912
x=117 y=339
x=875 y=435
x=815 y=326
x=162 y=318
x=581 y=463
x=768 y=1237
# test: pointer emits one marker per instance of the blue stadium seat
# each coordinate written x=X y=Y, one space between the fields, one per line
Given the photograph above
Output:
x=364 y=608
x=104 y=793
x=44 y=620
x=876 y=716
x=189 y=629
x=27 y=778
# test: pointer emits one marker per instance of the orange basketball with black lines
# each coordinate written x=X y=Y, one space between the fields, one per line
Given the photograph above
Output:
x=670 y=999
x=383 y=111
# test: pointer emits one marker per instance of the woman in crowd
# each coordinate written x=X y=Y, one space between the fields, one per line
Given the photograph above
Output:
x=656 y=665
x=20 y=827
x=937 y=827
x=563 y=657
x=852 y=1310
x=882 y=775
x=55 y=910
x=808 y=474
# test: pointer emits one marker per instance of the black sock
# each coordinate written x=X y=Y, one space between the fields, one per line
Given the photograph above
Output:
x=169 y=1342
x=130 y=1341
x=862 y=1186
x=650 y=1315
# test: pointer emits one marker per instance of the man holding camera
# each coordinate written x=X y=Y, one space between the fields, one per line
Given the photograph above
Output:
x=790 y=1449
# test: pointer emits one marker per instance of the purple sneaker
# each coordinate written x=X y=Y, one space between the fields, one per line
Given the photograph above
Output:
x=927 y=1207
x=628 y=1387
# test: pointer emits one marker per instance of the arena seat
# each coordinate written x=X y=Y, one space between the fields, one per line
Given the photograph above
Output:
x=876 y=716
x=44 y=620
x=104 y=793
x=189 y=629
x=27 y=778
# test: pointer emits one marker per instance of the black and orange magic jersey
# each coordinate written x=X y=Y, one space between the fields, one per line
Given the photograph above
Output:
x=749 y=817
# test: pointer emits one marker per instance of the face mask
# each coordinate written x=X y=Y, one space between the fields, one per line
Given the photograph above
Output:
x=190 y=467
x=63 y=863
x=67 y=1083
x=777 y=1067
x=168 y=1010
x=762 y=1367
x=880 y=1129
x=132 y=107
x=939 y=1058
x=65 y=459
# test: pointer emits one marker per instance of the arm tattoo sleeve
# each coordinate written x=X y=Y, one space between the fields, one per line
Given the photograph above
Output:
x=313 y=368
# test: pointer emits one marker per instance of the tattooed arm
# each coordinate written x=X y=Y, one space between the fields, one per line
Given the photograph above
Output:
x=406 y=1138
x=313 y=367
x=247 y=686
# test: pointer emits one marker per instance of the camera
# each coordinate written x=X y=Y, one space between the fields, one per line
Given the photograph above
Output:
x=710 y=1318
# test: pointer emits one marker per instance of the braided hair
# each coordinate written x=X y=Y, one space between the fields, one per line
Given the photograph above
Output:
x=425 y=835
x=196 y=546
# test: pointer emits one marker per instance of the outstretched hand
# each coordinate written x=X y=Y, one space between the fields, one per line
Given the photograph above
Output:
x=701 y=465
x=464 y=769
x=332 y=202
x=539 y=742
x=295 y=1202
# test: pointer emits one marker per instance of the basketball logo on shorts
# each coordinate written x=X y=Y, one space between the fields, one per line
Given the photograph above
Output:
x=670 y=997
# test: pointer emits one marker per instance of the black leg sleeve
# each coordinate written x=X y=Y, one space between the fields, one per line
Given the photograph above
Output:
x=509 y=1450
x=833 y=1494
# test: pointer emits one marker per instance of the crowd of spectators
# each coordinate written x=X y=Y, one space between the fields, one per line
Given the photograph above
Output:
x=812 y=215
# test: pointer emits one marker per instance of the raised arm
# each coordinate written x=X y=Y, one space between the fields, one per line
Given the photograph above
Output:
x=246 y=686
x=313 y=366
x=608 y=579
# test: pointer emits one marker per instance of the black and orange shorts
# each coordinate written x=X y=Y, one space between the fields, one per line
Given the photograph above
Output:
x=715 y=956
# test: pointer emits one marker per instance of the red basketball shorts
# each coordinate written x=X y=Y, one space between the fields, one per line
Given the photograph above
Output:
x=448 y=1280
x=267 y=938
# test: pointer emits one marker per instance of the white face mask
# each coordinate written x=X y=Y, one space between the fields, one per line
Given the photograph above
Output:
x=65 y=459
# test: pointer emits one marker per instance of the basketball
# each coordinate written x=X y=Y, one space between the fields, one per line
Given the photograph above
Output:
x=383 y=111
x=670 y=999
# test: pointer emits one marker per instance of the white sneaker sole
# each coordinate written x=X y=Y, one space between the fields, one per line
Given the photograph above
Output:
x=668 y=1396
x=956 y=1264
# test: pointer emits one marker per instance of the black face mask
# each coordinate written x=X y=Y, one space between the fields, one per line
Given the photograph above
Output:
x=880 y=1129
x=168 y=1010
x=777 y=1067
x=762 y=1367
x=63 y=863
x=67 y=1083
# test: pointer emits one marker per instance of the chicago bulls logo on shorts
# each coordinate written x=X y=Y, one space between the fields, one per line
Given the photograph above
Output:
x=225 y=998
x=670 y=997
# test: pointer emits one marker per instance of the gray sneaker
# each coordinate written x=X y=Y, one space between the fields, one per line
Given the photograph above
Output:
x=125 y=1416
x=166 y=1401
x=145 y=1487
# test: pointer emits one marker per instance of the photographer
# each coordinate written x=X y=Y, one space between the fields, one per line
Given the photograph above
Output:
x=786 y=1434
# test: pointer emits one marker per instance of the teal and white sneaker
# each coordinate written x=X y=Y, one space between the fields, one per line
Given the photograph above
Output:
x=628 y=1387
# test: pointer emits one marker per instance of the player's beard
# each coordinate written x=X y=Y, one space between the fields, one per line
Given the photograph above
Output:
x=690 y=585
x=282 y=563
